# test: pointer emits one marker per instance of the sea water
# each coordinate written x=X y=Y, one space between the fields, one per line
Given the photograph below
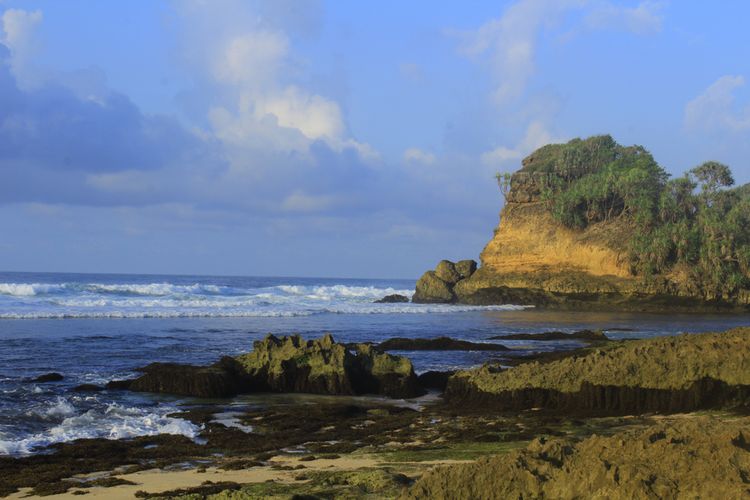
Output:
x=93 y=328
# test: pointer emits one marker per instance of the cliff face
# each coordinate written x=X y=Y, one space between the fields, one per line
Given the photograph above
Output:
x=528 y=241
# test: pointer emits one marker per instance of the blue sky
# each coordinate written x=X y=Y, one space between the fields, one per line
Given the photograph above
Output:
x=331 y=138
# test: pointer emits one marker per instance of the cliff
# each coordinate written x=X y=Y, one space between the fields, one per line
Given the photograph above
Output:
x=577 y=231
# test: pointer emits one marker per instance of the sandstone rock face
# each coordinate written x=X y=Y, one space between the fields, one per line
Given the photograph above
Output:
x=696 y=457
x=285 y=364
x=432 y=290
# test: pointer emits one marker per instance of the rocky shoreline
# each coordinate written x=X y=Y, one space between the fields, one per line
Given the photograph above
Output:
x=554 y=411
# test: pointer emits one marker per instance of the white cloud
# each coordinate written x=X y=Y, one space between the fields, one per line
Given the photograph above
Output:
x=300 y=201
x=259 y=104
x=715 y=109
x=19 y=28
x=536 y=136
x=252 y=58
x=508 y=44
x=643 y=19
x=417 y=156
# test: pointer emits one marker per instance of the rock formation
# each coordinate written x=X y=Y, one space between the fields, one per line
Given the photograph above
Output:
x=682 y=373
x=285 y=364
x=695 y=457
x=436 y=287
x=534 y=259
x=394 y=298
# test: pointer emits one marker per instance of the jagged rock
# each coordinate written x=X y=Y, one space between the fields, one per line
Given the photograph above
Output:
x=432 y=290
x=292 y=364
x=446 y=271
x=286 y=364
x=393 y=299
x=668 y=374
x=49 y=377
x=436 y=344
x=465 y=268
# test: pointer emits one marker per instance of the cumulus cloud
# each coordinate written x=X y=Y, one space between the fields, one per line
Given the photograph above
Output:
x=715 y=108
x=418 y=156
x=536 y=136
x=252 y=68
x=18 y=35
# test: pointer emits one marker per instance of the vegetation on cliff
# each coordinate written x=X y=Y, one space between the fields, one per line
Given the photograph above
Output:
x=695 y=224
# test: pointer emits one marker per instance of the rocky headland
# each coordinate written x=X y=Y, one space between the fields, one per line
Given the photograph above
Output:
x=575 y=232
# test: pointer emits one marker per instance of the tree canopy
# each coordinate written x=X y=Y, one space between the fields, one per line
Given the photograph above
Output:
x=696 y=221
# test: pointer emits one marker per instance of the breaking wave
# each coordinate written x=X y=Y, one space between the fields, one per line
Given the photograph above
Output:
x=170 y=300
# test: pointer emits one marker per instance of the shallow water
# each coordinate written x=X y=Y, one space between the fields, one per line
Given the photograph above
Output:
x=94 y=328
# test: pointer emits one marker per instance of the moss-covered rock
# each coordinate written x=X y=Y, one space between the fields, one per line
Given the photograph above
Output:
x=446 y=271
x=292 y=364
x=431 y=289
x=665 y=374
x=285 y=364
x=465 y=268
x=698 y=457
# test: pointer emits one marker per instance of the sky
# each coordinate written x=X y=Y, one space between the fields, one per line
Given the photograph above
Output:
x=332 y=138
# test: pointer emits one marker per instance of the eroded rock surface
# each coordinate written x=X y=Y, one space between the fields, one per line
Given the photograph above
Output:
x=285 y=364
x=685 y=372
x=693 y=457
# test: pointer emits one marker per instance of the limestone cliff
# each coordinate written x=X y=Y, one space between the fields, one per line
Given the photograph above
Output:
x=535 y=259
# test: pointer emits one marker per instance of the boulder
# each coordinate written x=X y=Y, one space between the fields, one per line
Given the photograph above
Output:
x=465 y=268
x=48 y=377
x=393 y=299
x=446 y=271
x=87 y=388
x=382 y=373
x=431 y=289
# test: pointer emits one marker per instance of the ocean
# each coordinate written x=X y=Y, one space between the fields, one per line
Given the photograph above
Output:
x=93 y=328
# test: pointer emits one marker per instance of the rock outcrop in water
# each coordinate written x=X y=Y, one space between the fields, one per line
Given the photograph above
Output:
x=667 y=374
x=286 y=364
x=595 y=261
x=693 y=457
x=437 y=287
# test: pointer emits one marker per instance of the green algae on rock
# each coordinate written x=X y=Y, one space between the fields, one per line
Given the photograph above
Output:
x=287 y=364
x=684 y=372
x=693 y=457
